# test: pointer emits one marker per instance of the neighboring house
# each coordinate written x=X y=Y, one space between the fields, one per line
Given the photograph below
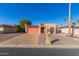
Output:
x=8 y=28
x=64 y=29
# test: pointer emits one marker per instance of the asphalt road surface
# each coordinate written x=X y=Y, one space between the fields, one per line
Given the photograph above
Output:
x=39 y=52
x=4 y=37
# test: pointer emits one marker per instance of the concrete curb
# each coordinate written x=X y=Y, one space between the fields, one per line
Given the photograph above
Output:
x=38 y=46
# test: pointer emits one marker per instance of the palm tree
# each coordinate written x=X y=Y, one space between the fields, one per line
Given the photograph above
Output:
x=69 y=20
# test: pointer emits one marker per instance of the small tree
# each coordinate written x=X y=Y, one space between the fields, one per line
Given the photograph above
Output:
x=21 y=26
x=25 y=21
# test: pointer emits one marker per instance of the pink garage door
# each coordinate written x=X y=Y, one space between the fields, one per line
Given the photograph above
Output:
x=33 y=30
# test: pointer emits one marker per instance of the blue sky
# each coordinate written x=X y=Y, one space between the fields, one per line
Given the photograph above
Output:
x=37 y=13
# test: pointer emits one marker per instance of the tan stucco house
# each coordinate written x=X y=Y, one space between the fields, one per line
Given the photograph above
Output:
x=42 y=28
x=7 y=28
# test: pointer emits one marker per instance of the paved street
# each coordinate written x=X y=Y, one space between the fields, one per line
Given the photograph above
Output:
x=39 y=52
x=4 y=37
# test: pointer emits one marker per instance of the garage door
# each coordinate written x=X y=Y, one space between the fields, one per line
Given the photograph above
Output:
x=33 y=30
